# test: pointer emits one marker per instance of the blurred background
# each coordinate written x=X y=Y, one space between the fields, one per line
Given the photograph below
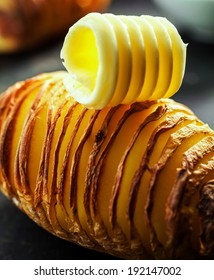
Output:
x=20 y=238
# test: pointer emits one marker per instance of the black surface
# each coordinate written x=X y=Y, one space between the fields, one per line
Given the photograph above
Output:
x=21 y=238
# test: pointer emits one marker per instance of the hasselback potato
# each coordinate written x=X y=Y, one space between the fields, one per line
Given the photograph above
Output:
x=135 y=181
x=27 y=24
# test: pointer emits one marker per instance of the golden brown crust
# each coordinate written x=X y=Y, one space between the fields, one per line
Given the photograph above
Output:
x=206 y=212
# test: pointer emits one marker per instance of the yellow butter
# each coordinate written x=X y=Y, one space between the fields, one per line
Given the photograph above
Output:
x=115 y=60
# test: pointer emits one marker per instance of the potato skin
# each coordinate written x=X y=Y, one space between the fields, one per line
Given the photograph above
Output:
x=134 y=181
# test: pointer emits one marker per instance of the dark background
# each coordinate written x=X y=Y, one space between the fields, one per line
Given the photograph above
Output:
x=20 y=238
